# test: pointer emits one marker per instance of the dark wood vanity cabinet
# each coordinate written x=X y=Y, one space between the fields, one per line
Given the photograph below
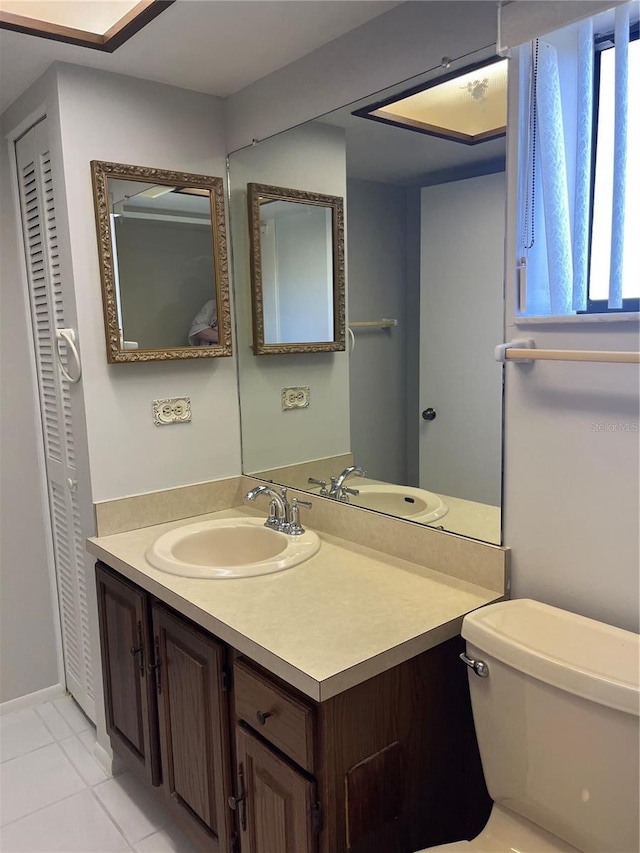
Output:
x=194 y=728
x=388 y=766
x=247 y=764
x=167 y=717
x=124 y=614
x=278 y=808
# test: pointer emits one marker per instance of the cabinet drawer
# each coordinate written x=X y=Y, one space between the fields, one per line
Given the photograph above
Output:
x=282 y=719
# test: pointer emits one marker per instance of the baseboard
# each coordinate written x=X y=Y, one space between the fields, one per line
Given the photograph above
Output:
x=106 y=759
x=31 y=699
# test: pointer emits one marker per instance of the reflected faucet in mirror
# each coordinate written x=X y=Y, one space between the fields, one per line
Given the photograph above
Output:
x=338 y=490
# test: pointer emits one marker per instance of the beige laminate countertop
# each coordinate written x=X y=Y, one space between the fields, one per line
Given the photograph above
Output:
x=346 y=615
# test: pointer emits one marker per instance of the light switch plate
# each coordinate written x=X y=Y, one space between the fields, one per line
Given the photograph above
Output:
x=171 y=410
x=296 y=398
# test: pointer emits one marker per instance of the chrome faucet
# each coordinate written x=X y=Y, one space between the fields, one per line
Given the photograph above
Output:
x=338 y=490
x=283 y=516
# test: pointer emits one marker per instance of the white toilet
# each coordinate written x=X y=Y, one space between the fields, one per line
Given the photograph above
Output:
x=557 y=716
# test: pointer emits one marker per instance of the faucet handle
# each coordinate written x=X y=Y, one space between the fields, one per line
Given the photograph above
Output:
x=295 y=528
x=323 y=486
x=272 y=522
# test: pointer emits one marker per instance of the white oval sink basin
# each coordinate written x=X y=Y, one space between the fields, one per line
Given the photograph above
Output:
x=403 y=501
x=229 y=548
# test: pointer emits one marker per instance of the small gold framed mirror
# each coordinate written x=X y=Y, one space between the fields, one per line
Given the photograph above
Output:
x=297 y=270
x=163 y=263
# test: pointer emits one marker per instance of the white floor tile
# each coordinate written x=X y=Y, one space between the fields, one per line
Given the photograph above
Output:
x=72 y=714
x=87 y=738
x=83 y=761
x=76 y=825
x=168 y=840
x=35 y=780
x=134 y=809
x=54 y=721
x=21 y=732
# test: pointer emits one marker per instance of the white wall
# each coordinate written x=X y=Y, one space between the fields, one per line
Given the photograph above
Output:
x=571 y=460
x=307 y=158
x=114 y=118
x=29 y=647
x=377 y=260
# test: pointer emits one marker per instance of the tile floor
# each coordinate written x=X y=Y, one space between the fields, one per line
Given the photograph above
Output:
x=56 y=798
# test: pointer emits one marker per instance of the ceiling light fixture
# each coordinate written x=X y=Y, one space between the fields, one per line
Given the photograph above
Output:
x=98 y=25
x=468 y=106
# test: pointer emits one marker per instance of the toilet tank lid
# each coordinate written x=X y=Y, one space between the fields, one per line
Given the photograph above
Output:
x=582 y=656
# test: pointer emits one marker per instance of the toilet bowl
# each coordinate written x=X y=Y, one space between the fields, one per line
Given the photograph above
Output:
x=557 y=712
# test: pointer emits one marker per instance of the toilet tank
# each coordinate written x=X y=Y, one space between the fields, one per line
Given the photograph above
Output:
x=557 y=720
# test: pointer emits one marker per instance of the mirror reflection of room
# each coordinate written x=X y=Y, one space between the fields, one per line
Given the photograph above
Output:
x=163 y=253
x=296 y=247
x=418 y=406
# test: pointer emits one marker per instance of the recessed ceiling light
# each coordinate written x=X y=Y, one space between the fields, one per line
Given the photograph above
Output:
x=99 y=24
x=468 y=106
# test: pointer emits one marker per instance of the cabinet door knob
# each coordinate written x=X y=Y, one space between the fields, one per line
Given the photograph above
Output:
x=429 y=414
x=262 y=716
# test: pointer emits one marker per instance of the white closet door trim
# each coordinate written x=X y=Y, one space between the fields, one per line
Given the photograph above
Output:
x=32 y=119
x=42 y=254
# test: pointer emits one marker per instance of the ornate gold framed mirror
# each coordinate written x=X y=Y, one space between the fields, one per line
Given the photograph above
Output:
x=163 y=263
x=297 y=270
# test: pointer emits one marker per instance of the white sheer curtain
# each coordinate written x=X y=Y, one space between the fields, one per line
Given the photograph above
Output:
x=559 y=115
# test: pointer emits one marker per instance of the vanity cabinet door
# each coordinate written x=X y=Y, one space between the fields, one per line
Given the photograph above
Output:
x=276 y=808
x=130 y=705
x=194 y=734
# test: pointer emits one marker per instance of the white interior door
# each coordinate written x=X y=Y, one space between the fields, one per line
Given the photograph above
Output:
x=59 y=421
x=461 y=321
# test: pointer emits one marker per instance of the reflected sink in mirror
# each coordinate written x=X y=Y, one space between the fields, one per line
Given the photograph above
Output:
x=230 y=548
x=402 y=501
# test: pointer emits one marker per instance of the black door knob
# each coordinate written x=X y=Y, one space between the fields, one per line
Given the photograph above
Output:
x=429 y=414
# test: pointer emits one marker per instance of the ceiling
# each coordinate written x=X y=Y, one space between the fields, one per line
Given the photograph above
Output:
x=213 y=46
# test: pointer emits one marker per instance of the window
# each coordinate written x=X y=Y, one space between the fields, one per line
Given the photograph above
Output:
x=579 y=176
x=602 y=179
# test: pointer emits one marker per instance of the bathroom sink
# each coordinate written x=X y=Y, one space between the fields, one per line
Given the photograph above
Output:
x=402 y=501
x=229 y=548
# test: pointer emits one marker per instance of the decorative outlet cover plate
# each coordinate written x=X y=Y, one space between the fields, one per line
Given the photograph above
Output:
x=296 y=398
x=172 y=410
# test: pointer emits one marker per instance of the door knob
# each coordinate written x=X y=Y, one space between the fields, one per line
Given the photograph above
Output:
x=429 y=414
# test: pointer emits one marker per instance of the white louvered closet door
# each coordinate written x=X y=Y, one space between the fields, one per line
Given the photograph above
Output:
x=48 y=313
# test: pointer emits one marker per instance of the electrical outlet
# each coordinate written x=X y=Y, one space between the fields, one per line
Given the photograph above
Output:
x=295 y=398
x=172 y=410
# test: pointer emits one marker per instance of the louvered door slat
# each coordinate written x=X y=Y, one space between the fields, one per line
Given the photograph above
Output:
x=36 y=183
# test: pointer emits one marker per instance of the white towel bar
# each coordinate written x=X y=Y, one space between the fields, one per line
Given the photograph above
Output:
x=374 y=324
x=524 y=352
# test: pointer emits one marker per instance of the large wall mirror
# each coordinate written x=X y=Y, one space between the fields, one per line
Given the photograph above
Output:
x=297 y=270
x=163 y=263
x=416 y=400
